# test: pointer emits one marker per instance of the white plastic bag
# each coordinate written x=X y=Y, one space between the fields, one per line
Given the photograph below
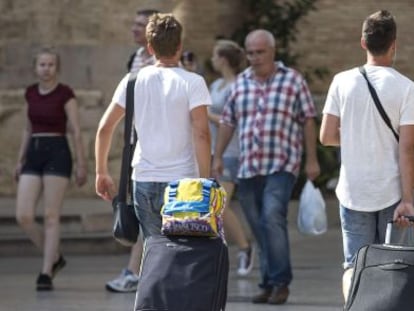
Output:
x=312 y=218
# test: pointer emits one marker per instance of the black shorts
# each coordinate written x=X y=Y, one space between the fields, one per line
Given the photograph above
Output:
x=48 y=155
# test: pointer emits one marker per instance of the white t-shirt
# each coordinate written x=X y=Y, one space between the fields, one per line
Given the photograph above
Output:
x=164 y=97
x=369 y=177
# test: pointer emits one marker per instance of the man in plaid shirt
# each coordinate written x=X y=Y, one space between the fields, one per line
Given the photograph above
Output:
x=272 y=108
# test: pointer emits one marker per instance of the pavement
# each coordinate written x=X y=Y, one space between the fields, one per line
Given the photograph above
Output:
x=316 y=286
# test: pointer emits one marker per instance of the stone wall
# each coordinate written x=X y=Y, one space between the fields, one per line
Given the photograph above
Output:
x=94 y=41
x=330 y=36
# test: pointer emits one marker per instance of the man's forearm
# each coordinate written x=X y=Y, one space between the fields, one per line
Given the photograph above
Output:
x=406 y=162
x=102 y=145
x=329 y=134
x=203 y=153
x=103 y=140
x=223 y=138
x=310 y=140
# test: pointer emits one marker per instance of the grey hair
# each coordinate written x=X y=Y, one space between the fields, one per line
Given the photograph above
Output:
x=262 y=33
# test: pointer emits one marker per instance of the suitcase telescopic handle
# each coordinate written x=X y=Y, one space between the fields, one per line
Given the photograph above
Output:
x=389 y=229
x=410 y=218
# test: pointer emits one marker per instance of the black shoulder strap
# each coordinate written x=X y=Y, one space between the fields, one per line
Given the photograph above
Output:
x=131 y=61
x=378 y=103
x=128 y=146
x=129 y=107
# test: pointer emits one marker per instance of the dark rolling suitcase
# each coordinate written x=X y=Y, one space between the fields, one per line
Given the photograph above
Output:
x=383 y=277
x=183 y=274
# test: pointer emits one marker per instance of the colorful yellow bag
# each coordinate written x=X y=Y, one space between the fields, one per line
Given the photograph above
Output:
x=193 y=206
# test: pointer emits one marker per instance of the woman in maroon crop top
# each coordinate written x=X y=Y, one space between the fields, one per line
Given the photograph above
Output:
x=45 y=163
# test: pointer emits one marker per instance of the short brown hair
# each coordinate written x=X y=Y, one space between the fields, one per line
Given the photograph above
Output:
x=379 y=31
x=163 y=33
x=232 y=52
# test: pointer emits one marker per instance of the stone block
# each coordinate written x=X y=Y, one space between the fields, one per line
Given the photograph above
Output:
x=97 y=222
x=89 y=98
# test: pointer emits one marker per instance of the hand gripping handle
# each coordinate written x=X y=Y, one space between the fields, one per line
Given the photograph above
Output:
x=389 y=229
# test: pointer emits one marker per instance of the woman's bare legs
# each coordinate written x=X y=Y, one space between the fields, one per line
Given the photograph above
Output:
x=234 y=228
x=135 y=256
x=28 y=193
x=54 y=188
x=232 y=224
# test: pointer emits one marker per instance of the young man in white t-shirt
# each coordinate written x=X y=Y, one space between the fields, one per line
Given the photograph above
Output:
x=127 y=280
x=170 y=117
x=377 y=172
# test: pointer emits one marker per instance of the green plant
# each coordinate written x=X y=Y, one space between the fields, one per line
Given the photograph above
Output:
x=280 y=18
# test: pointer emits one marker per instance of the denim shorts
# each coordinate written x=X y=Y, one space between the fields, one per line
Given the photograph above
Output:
x=362 y=228
x=49 y=155
x=230 y=168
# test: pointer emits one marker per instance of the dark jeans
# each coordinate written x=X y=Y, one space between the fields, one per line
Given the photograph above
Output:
x=264 y=200
x=148 y=200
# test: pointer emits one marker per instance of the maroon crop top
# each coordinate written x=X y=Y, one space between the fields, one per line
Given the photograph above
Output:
x=47 y=112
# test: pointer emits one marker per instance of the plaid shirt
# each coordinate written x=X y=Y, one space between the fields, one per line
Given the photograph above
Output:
x=141 y=59
x=270 y=118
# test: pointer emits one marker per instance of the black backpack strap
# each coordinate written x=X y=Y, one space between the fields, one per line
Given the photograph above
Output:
x=378 y=103
x=124 y=180
x=131 y=61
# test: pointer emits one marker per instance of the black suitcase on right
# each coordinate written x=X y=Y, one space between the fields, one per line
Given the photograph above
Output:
x=383 y=278
x=183 y=274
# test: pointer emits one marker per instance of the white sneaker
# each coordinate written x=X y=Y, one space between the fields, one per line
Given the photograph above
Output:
x=126 y=282
x=245 y=261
